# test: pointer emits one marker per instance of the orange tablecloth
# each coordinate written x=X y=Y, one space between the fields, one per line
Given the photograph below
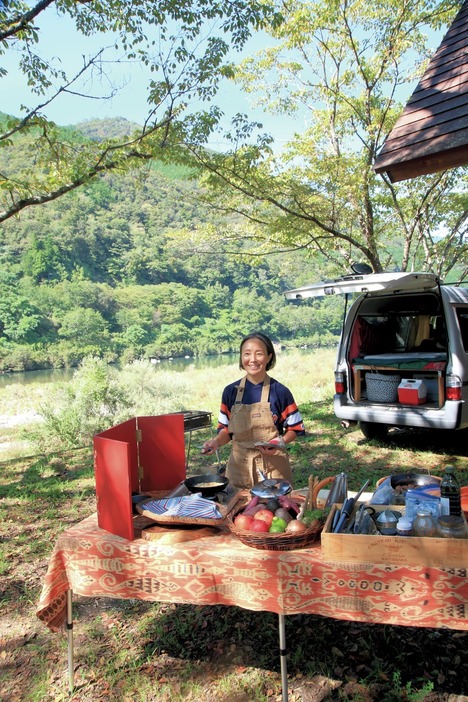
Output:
x=219 y=569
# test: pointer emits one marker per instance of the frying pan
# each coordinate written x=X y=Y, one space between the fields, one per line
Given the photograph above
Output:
x=196 y=482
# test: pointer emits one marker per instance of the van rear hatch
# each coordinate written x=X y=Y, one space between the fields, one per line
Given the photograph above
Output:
x=375 y=282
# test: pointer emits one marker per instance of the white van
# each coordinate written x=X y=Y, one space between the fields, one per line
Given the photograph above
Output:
x=403 y=354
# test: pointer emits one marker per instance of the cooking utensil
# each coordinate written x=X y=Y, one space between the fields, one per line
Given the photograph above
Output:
x=271 y=487
x=338 y=491
x=412 y=480
x=207 y=452
x=208 y=485
x=347 y=509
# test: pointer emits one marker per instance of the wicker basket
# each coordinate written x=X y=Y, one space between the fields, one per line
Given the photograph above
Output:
x=273 y=542
x=382 y=388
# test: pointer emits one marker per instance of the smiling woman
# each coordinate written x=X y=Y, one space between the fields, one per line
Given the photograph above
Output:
x=255 y=411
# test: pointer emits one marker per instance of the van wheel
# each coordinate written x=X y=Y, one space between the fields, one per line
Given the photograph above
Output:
x=371 y=430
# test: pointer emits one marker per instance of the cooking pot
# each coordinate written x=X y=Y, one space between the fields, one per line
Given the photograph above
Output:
x=208 y=485
x=413 y=480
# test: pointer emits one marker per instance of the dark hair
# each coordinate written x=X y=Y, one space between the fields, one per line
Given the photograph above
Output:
x=269 y=347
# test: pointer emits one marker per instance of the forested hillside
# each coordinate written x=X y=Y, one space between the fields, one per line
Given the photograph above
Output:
x=128 y=267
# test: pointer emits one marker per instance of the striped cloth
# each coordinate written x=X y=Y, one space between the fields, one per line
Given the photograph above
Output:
x=187 y=506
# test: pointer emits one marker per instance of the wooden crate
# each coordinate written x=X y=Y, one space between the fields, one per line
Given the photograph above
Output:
x=392 y=550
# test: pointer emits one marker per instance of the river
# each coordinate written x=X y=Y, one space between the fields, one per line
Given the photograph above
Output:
x=174 y=364
x=65 y=374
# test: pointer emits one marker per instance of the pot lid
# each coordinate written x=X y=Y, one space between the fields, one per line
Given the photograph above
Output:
x=271 y=487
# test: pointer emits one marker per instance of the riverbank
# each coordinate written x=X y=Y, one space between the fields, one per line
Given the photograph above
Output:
x=157 y=389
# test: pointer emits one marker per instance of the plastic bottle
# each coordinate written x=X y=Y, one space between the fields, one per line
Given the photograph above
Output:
x=404 y=527
x=450 y=488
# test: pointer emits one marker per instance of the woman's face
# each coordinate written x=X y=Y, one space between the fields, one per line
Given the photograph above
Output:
x=255 y=359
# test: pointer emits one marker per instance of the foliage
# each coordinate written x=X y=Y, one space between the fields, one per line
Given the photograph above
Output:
x=93 y=402
x=126 y=269
x=341 y=67
x=100 y=395
x=168 y=39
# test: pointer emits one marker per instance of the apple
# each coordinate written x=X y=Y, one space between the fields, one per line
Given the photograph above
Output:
x=278 y=525
x=243 y=521
x=259 y=525
x=265 y=516
x=253 y=510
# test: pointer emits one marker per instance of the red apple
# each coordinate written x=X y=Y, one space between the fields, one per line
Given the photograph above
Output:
x=265 y=516
x=243 y=521
x=253 y=510
x=259 y=525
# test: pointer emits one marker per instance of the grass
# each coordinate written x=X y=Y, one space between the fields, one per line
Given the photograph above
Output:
x=128 y=650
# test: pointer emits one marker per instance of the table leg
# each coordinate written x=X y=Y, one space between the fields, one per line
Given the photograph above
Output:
x=71 y=662
x=283 y=654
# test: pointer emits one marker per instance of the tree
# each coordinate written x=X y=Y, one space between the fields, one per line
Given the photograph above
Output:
x=341 y=65
x=182 y=44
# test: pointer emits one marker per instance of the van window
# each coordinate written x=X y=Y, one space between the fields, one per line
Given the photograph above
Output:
x=462 y=314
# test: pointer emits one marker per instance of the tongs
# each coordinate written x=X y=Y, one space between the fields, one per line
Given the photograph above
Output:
x=221 y=469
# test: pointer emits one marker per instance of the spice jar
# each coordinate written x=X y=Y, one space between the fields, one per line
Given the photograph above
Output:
x=404 y=527
x=386 y=523
x=424 y=523
x=452 y=527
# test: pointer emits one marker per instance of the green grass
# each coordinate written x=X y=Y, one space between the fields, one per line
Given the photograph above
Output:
x=129 y=650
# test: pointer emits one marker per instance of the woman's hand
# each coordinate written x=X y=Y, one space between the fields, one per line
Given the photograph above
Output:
x=213 y=445
x=210 y=446
x=267 y=450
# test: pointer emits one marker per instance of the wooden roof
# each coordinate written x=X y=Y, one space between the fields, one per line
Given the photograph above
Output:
x=432 y=133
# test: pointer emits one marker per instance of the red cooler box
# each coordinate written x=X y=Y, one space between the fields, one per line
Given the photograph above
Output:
x=412 y=392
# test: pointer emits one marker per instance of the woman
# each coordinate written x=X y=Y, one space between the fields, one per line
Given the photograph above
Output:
x=256 y=409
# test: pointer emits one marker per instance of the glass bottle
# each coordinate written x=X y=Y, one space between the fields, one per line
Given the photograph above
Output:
x=451 y=526
x=450 y=488
x=424 y=523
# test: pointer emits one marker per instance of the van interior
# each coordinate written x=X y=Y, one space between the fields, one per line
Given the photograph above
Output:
x=399 y=334
x=397 y=325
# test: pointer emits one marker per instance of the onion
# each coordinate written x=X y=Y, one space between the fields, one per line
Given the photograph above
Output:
x=295 y=526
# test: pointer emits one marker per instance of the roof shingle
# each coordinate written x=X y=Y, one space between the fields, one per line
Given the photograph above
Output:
x=432 y=133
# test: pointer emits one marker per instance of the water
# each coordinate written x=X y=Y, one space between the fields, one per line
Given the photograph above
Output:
x=65 y=374
x=174 y=364
x=35 y=377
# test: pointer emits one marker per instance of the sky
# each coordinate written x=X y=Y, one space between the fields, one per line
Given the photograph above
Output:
x=68 y=48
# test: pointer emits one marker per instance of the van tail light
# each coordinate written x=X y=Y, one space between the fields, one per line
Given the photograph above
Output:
x=453 y=388
x=340 y=385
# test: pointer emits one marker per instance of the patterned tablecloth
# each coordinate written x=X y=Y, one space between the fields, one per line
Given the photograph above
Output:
x=214 y=567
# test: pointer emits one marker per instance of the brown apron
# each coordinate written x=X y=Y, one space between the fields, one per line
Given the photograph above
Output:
x=248 y=424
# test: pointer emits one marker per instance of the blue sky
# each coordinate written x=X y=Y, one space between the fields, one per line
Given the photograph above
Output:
x=68 y=47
